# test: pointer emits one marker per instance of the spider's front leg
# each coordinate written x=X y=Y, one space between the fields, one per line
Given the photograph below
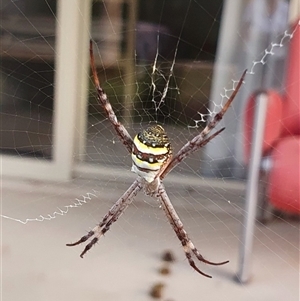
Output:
x=202 y=138
x=103 y=99
x=188 y=246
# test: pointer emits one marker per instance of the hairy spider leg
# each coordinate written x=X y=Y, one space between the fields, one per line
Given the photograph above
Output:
x=103 y=99
x=189 y=148
x=201 y=139
x=182 y=235
x=113 y=214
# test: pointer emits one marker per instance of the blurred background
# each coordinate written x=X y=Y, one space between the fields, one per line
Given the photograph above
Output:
x=169 y=62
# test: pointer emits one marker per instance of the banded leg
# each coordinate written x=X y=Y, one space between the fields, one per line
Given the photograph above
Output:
x=189 y=148
x=188 y=246
x=201 y=139
x=103 y=99
x=113 y=214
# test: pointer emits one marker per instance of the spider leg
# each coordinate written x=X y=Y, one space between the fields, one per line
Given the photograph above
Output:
x=201 y=139
x=103 y=99
x=189 y=148
x=182 y=235
x=113 y=214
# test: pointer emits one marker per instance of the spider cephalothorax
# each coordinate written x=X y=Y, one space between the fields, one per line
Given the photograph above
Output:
x=152 y=159
x=151 y=150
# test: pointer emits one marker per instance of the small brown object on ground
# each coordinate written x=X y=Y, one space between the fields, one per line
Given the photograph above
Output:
x=168 y=256
x=165 y=270
x=156 y=290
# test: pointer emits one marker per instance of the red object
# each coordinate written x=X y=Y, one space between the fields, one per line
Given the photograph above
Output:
x=291 y=110
x=284 y=178
x=272 y=124
x=282 y=135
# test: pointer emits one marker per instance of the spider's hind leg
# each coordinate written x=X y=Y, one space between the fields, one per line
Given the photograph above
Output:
x=189 y=248
x=82 y=239
x=112 y=216
x=97 y=231
x=201 y=258
x=188 y=255
x=182 y=235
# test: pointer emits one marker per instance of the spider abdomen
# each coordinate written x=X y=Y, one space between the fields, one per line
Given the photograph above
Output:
x=151 y=149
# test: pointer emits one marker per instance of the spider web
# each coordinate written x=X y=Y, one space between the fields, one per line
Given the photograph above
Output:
x=168 y=80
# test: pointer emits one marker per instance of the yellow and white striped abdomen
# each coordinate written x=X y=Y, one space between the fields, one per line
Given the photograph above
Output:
x=151 y=149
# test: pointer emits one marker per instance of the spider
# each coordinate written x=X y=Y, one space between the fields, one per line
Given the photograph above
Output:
x=152 y=160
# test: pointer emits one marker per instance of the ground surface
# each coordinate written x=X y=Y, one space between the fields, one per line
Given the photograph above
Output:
x=36 y=264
